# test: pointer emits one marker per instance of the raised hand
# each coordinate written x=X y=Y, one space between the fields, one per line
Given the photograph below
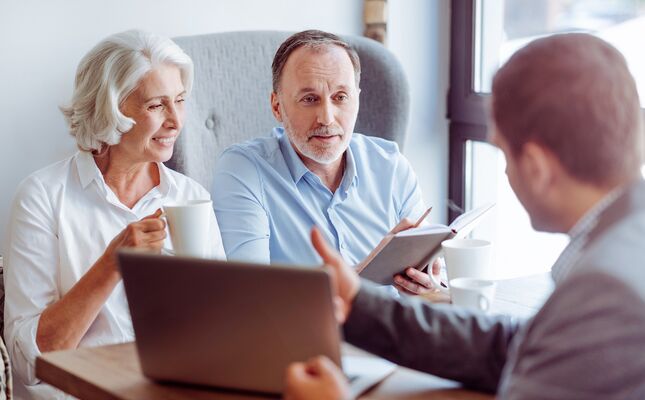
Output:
x=345 y=281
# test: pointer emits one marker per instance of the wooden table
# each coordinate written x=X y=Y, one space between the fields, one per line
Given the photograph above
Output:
x=114 y=373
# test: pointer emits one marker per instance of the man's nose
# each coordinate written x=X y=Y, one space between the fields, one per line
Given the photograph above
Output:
x=325 y=113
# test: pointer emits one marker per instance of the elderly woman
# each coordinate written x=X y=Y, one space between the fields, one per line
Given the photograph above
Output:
x=63 y=288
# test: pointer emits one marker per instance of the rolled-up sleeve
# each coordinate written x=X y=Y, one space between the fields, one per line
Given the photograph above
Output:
x=30 y=274
x=407 y=193
x=238 y=201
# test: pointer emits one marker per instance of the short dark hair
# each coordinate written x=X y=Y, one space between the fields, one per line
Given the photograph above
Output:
x=573 y=94
x=316 y=40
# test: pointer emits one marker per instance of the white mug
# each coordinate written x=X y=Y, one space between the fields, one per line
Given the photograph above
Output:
x=189 y=227
x=469 y=258
x=472 y=293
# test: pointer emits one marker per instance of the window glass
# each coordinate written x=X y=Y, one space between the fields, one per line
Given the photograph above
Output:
x=503 y=26
x=517 y=248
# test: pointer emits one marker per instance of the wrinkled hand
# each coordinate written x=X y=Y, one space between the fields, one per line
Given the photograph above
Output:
x=147 y=233
x=318 y=378
x=416 y=282
x=345 y=281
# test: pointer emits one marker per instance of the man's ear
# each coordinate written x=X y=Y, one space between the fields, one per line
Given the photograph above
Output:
x=275 y=106
x=539 y=166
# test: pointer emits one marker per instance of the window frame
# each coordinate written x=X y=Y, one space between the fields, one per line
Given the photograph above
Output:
x=467 y=113
x=466 y=108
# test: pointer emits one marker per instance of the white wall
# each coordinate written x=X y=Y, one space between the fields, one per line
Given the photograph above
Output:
x=41 y=42
x=419 y=35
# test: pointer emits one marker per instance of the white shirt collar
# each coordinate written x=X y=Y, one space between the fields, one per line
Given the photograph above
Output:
x=88 y=172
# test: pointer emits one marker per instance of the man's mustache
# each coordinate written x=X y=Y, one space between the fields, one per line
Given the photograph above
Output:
x=326 y=131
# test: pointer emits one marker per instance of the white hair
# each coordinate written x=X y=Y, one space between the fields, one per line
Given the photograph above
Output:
x=107 y=75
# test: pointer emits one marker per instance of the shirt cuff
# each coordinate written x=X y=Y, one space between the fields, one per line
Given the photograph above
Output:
x=24 y=351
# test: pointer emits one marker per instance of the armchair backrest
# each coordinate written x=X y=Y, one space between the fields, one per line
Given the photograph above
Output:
x=230 y=99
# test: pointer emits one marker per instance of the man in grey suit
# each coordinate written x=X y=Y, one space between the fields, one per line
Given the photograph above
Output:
x=565 y=113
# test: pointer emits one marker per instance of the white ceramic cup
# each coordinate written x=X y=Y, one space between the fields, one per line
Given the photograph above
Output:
x=465 y=258
x=189 y=227
x=476 y=294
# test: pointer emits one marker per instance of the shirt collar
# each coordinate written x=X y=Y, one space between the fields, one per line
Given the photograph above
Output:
x=88 y=172
x=590 y=218
x=298 y=169
x=579 y=233
x=350 y=177
x=166 y=180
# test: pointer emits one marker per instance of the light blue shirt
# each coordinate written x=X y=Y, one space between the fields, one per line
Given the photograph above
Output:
x=266 y=200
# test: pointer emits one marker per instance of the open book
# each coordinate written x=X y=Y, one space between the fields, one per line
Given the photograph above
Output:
x=415 y=247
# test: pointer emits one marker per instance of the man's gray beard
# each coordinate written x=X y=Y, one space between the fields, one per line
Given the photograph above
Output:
x=322 y=158
x=328 y=157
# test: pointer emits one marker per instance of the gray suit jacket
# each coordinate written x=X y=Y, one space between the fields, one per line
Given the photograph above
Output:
x=586 y=342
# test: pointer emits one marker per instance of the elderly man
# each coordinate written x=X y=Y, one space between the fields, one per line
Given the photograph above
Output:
x=566 y=115
x=269 y=192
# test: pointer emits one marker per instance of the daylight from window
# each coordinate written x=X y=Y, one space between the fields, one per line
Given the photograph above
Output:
x=502 y=27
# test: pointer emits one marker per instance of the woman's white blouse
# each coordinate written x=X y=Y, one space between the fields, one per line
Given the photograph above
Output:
x=63 y=218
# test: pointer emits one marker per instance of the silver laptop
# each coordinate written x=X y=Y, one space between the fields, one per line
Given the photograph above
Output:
x=233 y=325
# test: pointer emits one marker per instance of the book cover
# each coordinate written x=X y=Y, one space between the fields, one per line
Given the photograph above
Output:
x=415 y=247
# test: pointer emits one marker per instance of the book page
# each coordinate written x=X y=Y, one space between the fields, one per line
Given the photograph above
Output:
x=424 y=230
x=467 y=221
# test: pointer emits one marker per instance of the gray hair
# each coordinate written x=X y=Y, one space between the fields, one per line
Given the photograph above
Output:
x=106 y=76
x=315 y=40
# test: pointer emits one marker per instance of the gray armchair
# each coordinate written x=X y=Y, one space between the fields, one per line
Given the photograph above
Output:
x=230 y=99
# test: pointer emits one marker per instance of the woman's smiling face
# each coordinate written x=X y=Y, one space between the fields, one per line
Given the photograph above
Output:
x=157 y=107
